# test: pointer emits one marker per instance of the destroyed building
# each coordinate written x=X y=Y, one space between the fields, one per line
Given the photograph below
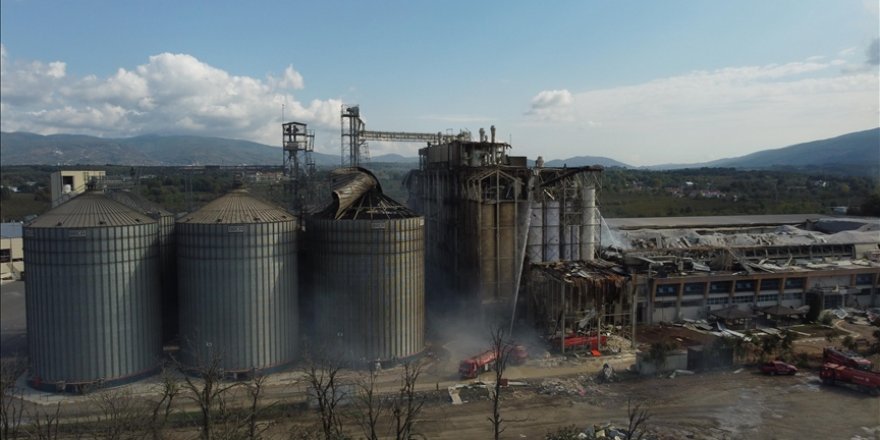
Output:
x=694 y=267
x=488 y=215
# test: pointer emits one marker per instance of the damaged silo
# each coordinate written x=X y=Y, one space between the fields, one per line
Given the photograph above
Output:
x=367 y=292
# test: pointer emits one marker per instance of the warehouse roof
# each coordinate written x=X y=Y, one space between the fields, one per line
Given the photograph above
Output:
x=710 y=221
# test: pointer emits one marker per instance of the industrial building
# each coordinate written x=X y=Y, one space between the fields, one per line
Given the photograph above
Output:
x=484 y=235
x=694 y=267
x=66 y=184
x=489 y=214
x=11 y=251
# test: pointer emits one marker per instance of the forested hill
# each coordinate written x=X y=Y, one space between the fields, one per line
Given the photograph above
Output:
x=66 y=149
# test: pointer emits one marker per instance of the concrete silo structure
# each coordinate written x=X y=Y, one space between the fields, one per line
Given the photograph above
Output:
x=367 y=290
x=93 y=294
x=237 y=284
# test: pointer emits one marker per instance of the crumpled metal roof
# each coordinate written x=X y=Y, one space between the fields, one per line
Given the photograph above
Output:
x=238 y=207
x=89 y=210
x=357 y=194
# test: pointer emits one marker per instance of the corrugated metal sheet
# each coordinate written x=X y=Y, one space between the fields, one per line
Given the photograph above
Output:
x=92 y=293
x=238 y=285
x=90 y=210
x=368 y=288
x=167 y=256
x=238 y=207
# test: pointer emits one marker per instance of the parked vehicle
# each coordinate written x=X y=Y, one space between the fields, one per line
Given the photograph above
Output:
x=831 y=355
x=471 y=367
x=778 y=367
x=835 y=374
x=590 y=342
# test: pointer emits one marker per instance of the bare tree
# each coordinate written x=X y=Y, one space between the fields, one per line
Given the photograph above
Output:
x=370 y=406
x=119 y=415
x=11 y=405
x=169 y=389
x=638 y=416
x=406 y=406
x=45 y=424
x=502 y=349
x=325 y=386
x=255 y=388
x=207 y=390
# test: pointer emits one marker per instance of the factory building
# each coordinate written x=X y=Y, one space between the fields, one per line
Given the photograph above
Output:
x=11 y=251
x=238 y=283
x=488 y=215
x=93 y=294
x=66 y=184
x=706 y=267
x=367 y=273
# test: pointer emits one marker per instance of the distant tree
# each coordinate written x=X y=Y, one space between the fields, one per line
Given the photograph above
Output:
x=503 y=349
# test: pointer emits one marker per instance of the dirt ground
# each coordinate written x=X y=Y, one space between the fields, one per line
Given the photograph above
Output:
x=724 y=405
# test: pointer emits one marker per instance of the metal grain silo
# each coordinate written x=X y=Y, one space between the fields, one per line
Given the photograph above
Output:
x=237 y=281
x=367 y=290
x=92 y=294
x=167 y=255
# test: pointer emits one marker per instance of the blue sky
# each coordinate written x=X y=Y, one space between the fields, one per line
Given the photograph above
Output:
x=641 y=82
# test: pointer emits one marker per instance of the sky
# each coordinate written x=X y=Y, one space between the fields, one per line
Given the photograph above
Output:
x=645 y=83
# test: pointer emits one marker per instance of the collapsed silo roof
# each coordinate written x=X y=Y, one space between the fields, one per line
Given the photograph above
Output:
x=237 y=207
x=88 y=210
x=357 y=194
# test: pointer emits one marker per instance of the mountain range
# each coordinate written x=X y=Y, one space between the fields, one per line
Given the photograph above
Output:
x=858 y=151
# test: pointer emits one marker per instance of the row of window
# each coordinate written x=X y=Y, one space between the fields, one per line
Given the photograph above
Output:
x=769 y=284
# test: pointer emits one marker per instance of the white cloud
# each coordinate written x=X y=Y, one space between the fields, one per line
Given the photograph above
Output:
x=707 y=115
x=551 y=105
x=170 y=94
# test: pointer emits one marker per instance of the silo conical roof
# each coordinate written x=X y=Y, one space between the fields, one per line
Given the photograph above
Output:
x=237 y=207
x=87 y=210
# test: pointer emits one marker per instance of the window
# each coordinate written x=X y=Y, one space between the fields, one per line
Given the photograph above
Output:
x=745 y=286
x=716 y=301
x=794 y=283
x=768 y=298
x=719 y=287
x=694 y=288
x=770 y=284
x=667 y=290
x=791 y=296
x=865 y=278
x=5 y=255
x=743 y=299
x=692 y=303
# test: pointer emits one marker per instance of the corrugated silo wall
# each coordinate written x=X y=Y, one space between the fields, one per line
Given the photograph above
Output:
x=238 y=294
x=368 y=288
x=168 y=276
x=93 y=302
